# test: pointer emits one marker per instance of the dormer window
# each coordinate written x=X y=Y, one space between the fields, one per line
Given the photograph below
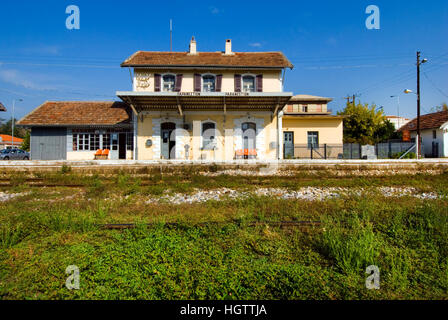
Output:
x=248 y=83
x=169 y=82
x=208 y=83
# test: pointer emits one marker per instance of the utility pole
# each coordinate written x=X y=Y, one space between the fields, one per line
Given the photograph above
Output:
x=418 y=105
x=352 y=97
x=348 y=99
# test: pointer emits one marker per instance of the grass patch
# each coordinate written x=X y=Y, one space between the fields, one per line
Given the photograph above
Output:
x=214 y=250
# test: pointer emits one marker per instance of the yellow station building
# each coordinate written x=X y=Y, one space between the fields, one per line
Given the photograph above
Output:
x=192 y=105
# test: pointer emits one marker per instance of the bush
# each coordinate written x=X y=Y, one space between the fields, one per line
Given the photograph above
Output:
x=66 y=169
x=410 y=155
x=352 y=249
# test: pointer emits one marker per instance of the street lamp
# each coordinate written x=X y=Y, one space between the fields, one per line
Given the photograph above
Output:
x=398 y=109
x=12 y=124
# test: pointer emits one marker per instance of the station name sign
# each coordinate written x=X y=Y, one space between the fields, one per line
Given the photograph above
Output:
x=198 y=94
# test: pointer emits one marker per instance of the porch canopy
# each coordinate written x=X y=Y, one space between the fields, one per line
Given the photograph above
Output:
x=195 y=101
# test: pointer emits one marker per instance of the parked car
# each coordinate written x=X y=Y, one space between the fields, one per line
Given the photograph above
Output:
x=14 y=154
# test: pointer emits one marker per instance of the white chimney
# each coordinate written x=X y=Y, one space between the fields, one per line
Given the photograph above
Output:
x=228 y=47
x=193 y=46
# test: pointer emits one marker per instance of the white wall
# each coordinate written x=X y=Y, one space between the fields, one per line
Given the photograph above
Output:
x=427 y=140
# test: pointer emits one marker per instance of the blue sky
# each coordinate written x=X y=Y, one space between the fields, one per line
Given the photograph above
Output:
x=333 y=53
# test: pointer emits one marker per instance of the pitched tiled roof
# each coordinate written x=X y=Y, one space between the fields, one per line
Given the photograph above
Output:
x=6 y=138
x=207 y=59
x=308 y=98
x=67 y=113
x=2 y=107
x=427 y=121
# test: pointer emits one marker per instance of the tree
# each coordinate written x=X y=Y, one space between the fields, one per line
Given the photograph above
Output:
x=6 y=128
x=365 y=125
x=26 y=142
x=442 y=107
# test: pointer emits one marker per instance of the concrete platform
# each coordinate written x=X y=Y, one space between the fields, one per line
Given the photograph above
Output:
x=250 y=163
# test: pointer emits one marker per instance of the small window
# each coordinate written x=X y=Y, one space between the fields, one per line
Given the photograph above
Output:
x=248 y=84
x=208 y=135
x=169 y=82
x=208 y=83
x=313 y=139
x=434 y=134
x=305 y=108
x=106 y=141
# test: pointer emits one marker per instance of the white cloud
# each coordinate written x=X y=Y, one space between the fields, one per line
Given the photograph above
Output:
x=22 y=80
x=255 y=44
x=52 y=50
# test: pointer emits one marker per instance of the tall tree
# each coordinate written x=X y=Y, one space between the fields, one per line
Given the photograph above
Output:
x=6 y=128
x=364 y=124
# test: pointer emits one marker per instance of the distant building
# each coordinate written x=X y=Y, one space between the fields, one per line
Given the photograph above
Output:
x=434 y=132
x=6 y=141
x=2 y=107
x=398 y=122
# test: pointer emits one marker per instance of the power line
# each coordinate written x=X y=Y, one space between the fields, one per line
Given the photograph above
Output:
x=434 y=85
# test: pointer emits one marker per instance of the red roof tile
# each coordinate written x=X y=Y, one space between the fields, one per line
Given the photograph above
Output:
x=207 y=59
x=6 y=138
x=427 y=121
x=67 y=113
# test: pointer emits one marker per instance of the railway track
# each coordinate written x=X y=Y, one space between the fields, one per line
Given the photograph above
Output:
x=121 y=226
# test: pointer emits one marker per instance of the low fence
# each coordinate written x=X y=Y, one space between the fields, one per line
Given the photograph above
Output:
x=322 y=151
x=385 y=150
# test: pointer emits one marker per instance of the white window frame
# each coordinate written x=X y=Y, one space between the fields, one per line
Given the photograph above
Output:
x=202 y=134
x=248 y=75
x=315 y=145
x=202 y=81
x=163 y=81
x=88 y=144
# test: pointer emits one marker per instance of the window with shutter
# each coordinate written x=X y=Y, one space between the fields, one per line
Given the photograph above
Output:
x=237 y=83
x=157 y=82
x=248 y=83
x=208 y=83
x=260 y=83
x=178 y=82
x=197 y=82
x=218 y=82
x=169 y=81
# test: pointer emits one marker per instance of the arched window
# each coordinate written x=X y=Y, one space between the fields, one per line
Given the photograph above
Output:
x=208 y=83
x=169 y=82
x=248 y=83
x=208 y=135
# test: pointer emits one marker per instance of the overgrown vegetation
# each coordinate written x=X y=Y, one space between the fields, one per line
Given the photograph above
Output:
x=213 y=250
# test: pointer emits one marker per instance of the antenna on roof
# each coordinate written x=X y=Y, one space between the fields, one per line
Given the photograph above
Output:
x=171 y=35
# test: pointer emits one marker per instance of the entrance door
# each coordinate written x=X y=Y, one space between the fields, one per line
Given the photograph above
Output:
x=168 y=142
x=113 y=146
x=435 y=149
x=249 y=138
x=122 y=146
x=288 y=145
